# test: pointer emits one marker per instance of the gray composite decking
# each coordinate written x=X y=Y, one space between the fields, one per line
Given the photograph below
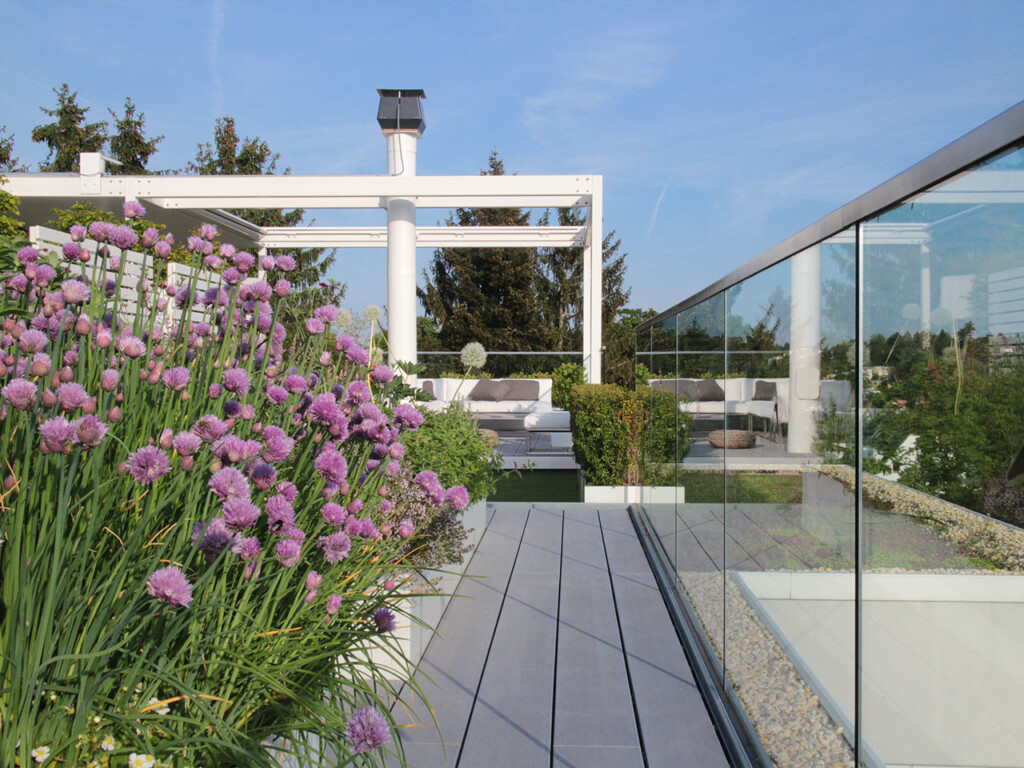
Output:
x=560 y=653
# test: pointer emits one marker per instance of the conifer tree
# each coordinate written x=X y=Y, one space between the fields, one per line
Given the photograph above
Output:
x=129 y=145
x=69 y=134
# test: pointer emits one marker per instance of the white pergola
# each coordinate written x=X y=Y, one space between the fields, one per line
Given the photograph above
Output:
x=400 y=192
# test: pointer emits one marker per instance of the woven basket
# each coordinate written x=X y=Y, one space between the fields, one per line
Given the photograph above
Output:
x=731 y=438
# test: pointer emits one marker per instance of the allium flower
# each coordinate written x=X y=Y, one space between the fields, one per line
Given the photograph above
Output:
x=77 y=232
x=280 y=515
x=286 y=262
x=149 y=237
x=231 y=276
x=247 y=549
x=56 y=433
x=384 y=619
x=186 y=443
x=344 y=342
x=210 y=428
x=335 y=546
x=406 y=528
x=215 y=391
x=333 y=514
x=458 y=497
x=288 y=490
x=276 y=444
x=326 y=314
x=100 y=230
x=357 y=393
x=40 y=754
x=169 y=585
x=293 y=382
x=176 y=379
x=263 y=476
x=163 y=249
x=234 y=449
x=361 y=526
x=71 y=396
x=208 y=232
x=130 y=346
x=313 y=580
x=314 y=327
x=474 y=355
x=148 y=464
x=40 y=365
x=331 y=466
x=20 y=394
x=367 y=730
x=277 y=394
x=123 y=237
x=44 y=274
x=211 y=538
x=236 y=380
x=244 y=261
x=228 y=483
x=372 y=313
x=358 y=355
x=74 y=291
x=108 y=380
x=324 y=410
x=89 y=431
x=71 y=251
x=282 y=288
x=288 y=552
x=133 y=209
x=382 y=374
x=32 y=340
x=407 y=417
x=194 y=244
x=240 y=514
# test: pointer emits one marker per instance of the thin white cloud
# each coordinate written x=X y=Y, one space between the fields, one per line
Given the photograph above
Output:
x=654 y=214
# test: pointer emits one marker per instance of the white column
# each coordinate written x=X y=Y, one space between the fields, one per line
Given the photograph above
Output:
x=402 y=251
x=593 y=286
x=804 y=348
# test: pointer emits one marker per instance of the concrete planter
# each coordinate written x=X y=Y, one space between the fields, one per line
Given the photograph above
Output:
x=633 y=494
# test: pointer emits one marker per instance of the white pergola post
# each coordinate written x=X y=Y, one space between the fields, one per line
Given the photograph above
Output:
x=593 y=287
x=401 y=267
x=804 y=348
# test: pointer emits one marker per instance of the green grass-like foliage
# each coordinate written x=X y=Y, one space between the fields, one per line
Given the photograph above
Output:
x=565 y=377
x=617 y=434
x=255 y=657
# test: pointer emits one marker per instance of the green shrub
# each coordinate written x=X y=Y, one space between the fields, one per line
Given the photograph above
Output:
x=618 y=434
x=450 y=443
x=641 y=376
x=564 y=378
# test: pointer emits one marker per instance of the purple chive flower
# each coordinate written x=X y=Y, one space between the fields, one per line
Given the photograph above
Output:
x=282 y=288
x=20 y=394
x=212 y=538
x=247 y=549
x=358 y=392
x=71 y=396
x=333 y=514
x=194 y=244
x=77 y=232
x=162 y=248
x=280 y=515
x=229 y=483
x=406 y=528
x=215 y=391
x=367 y=729
x=176 y=379
x=28 y=255
x=236 y=380
x=133 y=209
x=276 y=444
x=186 y=443
x=458 y=497
x=261 y=291
x=326 y=314
x=122 y=237
x=286 y=262
x=333 y=604
x=31 y=341
x=56 y=433
x=331 y=466
x=361 y=526
x=130 y=346
x=343 y=342
x=208 y=232
x=44 y=274
x=108 y=380
x=74 y=291
x=231 y=276
x=407 y=417
x=244 y=261
x=358 y=355
x=277 y=394
x=234 y=449
x=240 y=514
x=289 y=490
x=288 y=552
x=210 y=428
x=382 y=374
x=313 y=580
x=313 y=326
x=169 y=585
x=99 y=231
x=71 y=251
x=324 y=410
x=263 y=476
x=149 y=237
x=248 y=412
x=384 y=619
x=148 y=464
x=293 y=382
x=335 y=546
x=232 y=409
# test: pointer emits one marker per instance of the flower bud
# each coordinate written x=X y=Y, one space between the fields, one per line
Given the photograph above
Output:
x=66 y=374
x=185 y=396
x=40 y=367
x=119 y=398
x=310 y=597
x=114 y=415
x=215 y=466
x=122 y=468
x=83 y=325
x=49 y=398
x=89 y=406
x=9 y=482
x=84 y=256
x=166 y=436
x=188 y=462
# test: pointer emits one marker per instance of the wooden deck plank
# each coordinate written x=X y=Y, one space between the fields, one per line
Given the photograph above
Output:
x=676 y=727
x=593 y=705
x=511 y=721
x=453 y=663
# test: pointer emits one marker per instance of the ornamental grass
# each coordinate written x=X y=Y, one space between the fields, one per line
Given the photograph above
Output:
x=198 y=537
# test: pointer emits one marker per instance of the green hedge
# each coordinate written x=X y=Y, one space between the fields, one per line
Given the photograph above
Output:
x=565 y=377
x=617 y=434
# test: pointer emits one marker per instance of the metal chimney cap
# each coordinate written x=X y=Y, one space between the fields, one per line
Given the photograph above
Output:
x=400 y=109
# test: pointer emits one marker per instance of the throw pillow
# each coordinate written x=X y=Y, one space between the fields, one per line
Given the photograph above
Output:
x=709 y=391
x=764 y=390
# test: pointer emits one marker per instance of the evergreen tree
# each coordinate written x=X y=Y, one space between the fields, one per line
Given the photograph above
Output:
x=130 y=145
x=487 y=295
x=69 y=134
x=229 y=155
x=8 y=162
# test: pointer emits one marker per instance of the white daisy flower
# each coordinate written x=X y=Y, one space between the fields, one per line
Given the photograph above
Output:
x=40 y=754
x=107 y=743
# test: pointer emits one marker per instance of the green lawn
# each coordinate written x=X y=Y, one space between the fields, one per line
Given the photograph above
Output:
x=744 y=487
x=538 y=485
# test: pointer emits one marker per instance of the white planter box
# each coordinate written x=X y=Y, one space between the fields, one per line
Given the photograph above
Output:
x=633 y=494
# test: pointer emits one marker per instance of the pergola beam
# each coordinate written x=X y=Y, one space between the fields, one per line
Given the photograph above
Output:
x=426 y=237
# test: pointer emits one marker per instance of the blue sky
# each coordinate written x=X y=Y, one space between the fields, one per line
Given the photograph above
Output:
x=720 y=127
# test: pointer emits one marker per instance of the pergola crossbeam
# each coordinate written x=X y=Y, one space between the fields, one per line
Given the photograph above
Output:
x=426 y=237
